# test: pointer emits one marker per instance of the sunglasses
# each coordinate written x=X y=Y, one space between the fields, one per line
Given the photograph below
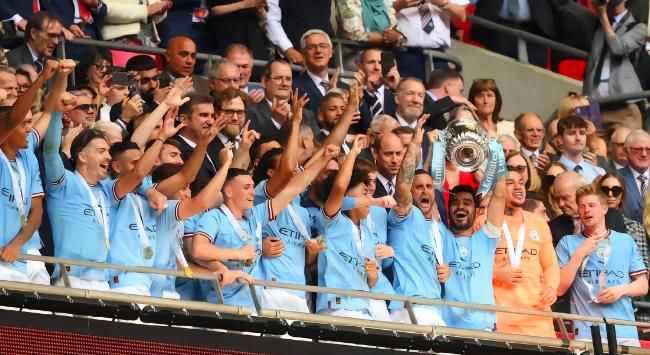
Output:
x=518 y=168
x=615 y=190
x=86 y=107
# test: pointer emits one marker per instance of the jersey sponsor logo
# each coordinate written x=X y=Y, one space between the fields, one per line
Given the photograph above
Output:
x=149 y=228
x=593 y=274
x=8 y=194
x=457 y=264
x=529 y=251
x=356 y=263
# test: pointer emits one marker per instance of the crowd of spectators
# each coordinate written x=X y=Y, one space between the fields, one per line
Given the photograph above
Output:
x=305 y=178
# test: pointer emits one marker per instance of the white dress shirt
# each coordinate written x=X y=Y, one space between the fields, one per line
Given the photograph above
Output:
x=410 y=24
x=404 y=123
x=317 y=81
x=277 y=124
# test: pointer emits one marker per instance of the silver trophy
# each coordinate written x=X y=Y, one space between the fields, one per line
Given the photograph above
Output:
x=466 y=143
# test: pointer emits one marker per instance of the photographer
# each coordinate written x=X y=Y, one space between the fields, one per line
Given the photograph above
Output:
x=609 y=70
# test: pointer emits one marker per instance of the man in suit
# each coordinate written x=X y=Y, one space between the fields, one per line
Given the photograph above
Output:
x=533 y=16
x=316 y=48
x=636 y=174
x=388 y=151
x=616 y=149
x=186 y=18
x=288 y=20
x=378 y=93
x=42 y=35
x=19 y=11
x=609 y=70
x=198 y=116
x=180 y=59
x=268 y=115
x=444 y=92
x=242 y=56
x=529 y=131
x=564 y=193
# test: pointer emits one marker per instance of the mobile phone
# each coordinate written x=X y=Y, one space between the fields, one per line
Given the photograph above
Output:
x=591 y=113
x=8 y=29
x=122 y=78
x=387 y=62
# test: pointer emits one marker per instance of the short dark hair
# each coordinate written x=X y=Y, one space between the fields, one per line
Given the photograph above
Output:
x=120 y=147
x=268 y=161
x=569 y=122
x=83 y=139
x=459 y=189
x=530 y=204
x=439 y=76
x=170 y=141
x=165 y=171
x=257 y=146
x=480 y=85
x=233 y=173
x=366 y=165
x=358 y=177
x=269 y=65
x=229 y=94
x=141 y=63
x=195 y=99
x=38 y=21
x=285 y=131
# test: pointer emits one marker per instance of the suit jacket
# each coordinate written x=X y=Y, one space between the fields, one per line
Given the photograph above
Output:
x=366 y=115
x=210 y=166
x=8 y=8
x=633 y=203
x=65 y=10
x=438 y=110
x=179 y=23
x=304 y=84
x=380 y=190
x=541 y=12
x=622 y=76
x=563 y=225
x=19 y=56
x=259 y=115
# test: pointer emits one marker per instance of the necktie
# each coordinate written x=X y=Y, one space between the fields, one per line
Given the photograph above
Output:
x=425 y=17
x=38 y=66
x=643 y=180
x=36 y=6
x=391 y=188
x=375 y=105
x=325 y=85
x=601 y=60
x=84 y=13
x=577 y=169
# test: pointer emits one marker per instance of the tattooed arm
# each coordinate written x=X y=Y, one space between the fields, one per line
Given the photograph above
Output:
x=407 y=171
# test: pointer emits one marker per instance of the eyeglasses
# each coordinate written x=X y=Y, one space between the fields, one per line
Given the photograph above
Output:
x=639 y=150
x=311 y=47
x=615 y=190
x=231 y=113
x=279 y=79
x=228 y=80
x=518 y=168
x=102 y=67
x=52 y=36
x=86 y=107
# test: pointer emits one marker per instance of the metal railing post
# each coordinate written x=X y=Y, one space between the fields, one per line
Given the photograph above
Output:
x=64 y=275
x=522 y=51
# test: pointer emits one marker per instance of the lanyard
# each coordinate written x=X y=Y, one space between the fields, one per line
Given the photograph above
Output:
x=178 y=249
x=515 y=254
x=359 y=239
x=99 y=208
x=237 y=227
x=436 y=241
x=139 y=222
x=18 y=184
x=298 y=222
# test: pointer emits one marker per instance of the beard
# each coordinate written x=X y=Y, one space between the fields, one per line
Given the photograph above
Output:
x=462 y=223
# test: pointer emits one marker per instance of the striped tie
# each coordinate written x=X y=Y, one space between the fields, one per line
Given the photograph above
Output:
x=375 y=105
x=425 y=17
x=643 y=180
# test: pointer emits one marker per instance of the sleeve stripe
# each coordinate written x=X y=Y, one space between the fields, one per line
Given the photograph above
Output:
x=38 y=194
x=269 y=206
x=268 y=196
x=177 y=212
x=57 y=182
x=638 y=272
x=188 y=235
x=203 y=234
x=115 y=192
x=38 y=136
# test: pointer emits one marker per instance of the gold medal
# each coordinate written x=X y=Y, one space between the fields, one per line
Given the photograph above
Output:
x=148 y=253
x=188 y=271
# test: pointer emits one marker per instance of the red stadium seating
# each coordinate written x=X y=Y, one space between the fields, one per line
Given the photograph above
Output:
x=121 y=57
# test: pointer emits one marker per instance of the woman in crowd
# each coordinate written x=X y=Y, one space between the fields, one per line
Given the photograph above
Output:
x=94 y=65
x=521 y=164
x=485 y=95
x=370 y=21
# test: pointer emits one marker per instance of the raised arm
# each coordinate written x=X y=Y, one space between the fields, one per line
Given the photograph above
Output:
x=66 y=67
x=406 y=172
x=340 y=130
x=299 y=182
x=209 y=196
x=342 y=180
x=130 y=181
x=191 y=167
x=289 y=160
x=24 y=102
x=242 y=158
x=497 y=206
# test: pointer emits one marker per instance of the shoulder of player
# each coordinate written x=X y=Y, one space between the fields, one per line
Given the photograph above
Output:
x=618 y=237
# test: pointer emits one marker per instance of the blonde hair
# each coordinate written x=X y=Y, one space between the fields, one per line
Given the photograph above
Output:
x=534 y=183
x=569 y=104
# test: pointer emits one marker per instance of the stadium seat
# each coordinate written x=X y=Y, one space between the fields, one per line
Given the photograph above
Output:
x=573 y=68
x=121 y=57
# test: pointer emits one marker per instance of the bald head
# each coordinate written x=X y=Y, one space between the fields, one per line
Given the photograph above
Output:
x=180 y=56
x=389 y=152
x=564 y=191
x=529 y=130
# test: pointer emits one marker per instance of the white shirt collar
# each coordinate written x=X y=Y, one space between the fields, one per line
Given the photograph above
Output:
x=618 y=18
x=188 y=141
x=636 y=174
x=317 y=80
x=34 y=56
x=529 y=152
x=384 y=181
x=618 y=166
x=432 y=95
x=404 y=123
x=225 y=139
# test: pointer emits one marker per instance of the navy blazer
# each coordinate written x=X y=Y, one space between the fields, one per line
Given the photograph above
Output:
x=364 y=109
x=8 y=8
x=633 y=203
x=259 y=115
x=19 y=56
x=304 y=84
